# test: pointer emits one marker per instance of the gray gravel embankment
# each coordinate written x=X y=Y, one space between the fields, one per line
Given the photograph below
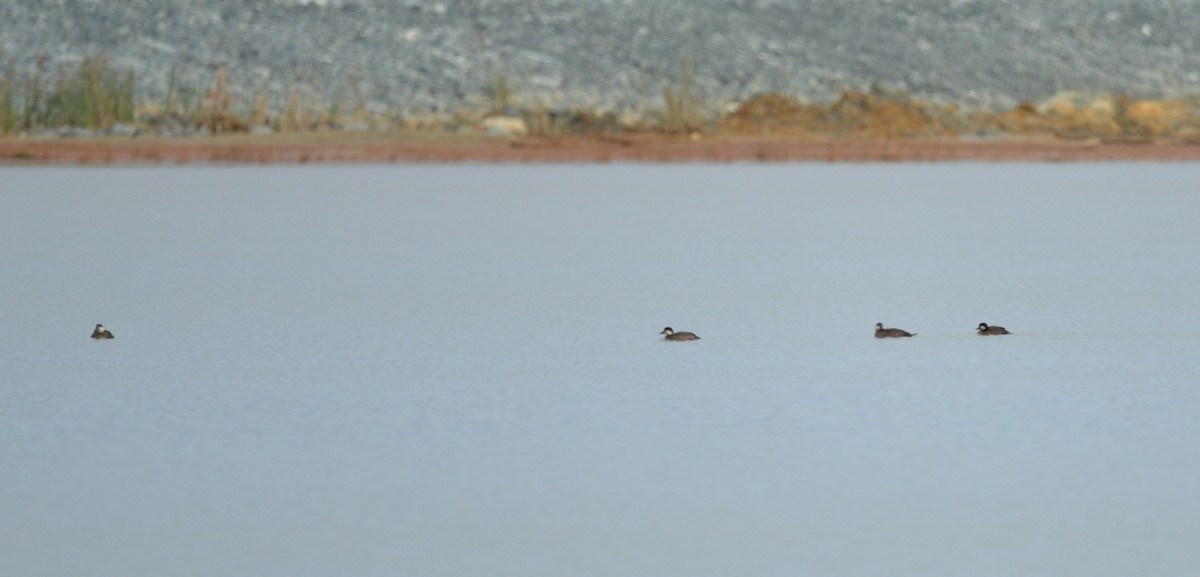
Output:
x=413 y=56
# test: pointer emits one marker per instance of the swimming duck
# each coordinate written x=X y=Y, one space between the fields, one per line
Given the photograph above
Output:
x=101 y=333
x=678 y=336
x=984 y=329
x=881 y=332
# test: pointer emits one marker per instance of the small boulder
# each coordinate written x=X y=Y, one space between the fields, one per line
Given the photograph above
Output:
x=127 y=130
x=505 y=126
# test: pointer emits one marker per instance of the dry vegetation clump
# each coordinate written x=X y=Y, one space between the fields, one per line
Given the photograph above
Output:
x=875 y=114
x=890 y=114
x=1066 y=116
x=216 y=115
x=1162 y=118
x=682 y=113
x=1070 y=115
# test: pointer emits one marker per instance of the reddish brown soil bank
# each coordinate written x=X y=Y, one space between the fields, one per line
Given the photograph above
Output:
x=422 y=148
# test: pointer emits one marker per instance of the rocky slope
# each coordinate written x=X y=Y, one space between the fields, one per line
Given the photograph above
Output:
x=419 y=56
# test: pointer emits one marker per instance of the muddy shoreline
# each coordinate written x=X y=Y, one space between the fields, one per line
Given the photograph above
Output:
x=380 y=148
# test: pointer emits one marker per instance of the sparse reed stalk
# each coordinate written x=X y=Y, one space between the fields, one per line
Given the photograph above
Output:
x=681 y=112
x=172 y=81
x=297 y=115
x=290 y=120
x=537 y=119
x=33 y=96
x=262 y=108
x=361 y=113
x=318 y=115
x=498 y=91
x=124 y=102
x=1121 y=105
x=9 y=116
x=96 y=98
x=217 y=116
x=94 y=95
x=68 y=103
x=333 y=114
x=189 y=103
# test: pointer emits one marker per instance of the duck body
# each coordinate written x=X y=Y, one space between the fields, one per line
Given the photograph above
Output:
x=881 y=333
x=984 y=329
x=101 y=333
x=671 y=335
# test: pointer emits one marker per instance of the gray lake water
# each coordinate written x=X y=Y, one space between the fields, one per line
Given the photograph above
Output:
x=456 y=371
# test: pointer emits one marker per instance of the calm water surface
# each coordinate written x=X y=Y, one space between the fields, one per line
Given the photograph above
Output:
x=455 y=371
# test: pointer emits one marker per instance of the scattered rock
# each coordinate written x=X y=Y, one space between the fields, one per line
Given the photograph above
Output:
x=505 y=126
x=127 y=130
x=75 y=132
